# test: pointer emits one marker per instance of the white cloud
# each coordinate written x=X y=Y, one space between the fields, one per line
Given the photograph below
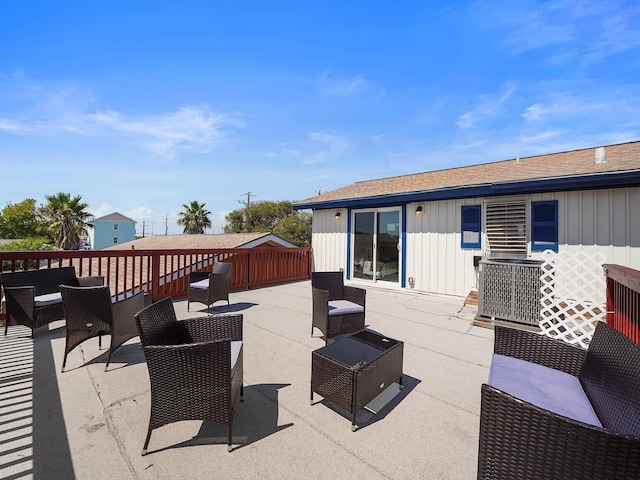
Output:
x=53 y=110
x=102 y=210
x=330 y=146
x=489 y=105
x=585 y=30
x=343 y=86
x=189 y=128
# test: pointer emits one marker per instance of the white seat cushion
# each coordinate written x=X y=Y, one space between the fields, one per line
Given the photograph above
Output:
x=201 y=285
x=344 y=307
x=47 y=299
x=550 y=389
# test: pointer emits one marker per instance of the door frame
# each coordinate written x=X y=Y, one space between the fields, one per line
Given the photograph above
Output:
x=402 y=211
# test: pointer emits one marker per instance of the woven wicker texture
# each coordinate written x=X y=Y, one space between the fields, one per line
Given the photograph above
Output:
x=89 y=312
x=21 y=288
x=189 y=366
x=521 y=441
x=219 y=285
x=351 y=387
x=326 y=286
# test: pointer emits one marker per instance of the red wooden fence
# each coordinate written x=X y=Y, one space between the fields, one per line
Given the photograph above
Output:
x=623 y=300
x=165 y=273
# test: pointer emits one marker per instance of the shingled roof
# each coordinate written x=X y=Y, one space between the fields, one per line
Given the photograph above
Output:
x=194 y=241
x=553 y=170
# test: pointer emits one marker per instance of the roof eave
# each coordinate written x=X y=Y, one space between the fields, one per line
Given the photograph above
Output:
x=627 y=178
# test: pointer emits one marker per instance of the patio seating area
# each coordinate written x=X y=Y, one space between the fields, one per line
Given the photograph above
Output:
x=86 y=423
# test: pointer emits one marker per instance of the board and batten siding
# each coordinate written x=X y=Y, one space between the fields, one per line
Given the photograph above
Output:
x=606 y=221
x=329 y=240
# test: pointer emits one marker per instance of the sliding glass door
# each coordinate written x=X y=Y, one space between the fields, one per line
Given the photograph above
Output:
x=376 y=245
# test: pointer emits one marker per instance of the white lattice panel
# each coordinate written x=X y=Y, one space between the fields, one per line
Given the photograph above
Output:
x=573 y=295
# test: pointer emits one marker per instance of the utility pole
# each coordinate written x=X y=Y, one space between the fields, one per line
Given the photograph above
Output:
x=144 y=223
x=247 y=204
x=166 y=224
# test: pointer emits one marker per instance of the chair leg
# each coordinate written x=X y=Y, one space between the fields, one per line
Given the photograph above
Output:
x=108 y=359
x=64 y=362
x=146 y=442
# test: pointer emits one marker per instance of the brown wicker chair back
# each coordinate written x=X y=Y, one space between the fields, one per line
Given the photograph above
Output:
x=217 y=289
x=328 y=286
x=89 y=312
x=194 y=357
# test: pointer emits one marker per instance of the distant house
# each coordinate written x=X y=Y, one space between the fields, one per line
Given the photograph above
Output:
x=110 y=230
x=427 y=231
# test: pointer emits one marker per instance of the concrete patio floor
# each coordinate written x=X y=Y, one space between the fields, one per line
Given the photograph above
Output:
x=90 y=424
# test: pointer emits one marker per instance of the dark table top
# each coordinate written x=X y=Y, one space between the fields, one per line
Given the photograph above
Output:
x=357 y=349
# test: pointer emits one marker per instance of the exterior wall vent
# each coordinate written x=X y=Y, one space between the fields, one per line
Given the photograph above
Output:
x=601 y=157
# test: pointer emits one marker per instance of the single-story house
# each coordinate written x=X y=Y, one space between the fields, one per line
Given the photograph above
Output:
x=206 y=240
x=427 y=231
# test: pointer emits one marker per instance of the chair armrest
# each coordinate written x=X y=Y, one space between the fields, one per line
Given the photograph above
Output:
x=355 y=294
x=197 y=276
x=128 y=307
x=90 y=281
x=539 y=349
x=21 y=297
x=219 y=281
x=189 y=365
x=320 y=300
x=213 y=327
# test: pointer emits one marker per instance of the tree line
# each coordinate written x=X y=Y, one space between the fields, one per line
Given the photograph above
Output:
x=63 y=220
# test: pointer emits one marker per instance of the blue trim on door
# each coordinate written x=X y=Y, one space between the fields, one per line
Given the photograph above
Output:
x=348 y=273
x=403 y=242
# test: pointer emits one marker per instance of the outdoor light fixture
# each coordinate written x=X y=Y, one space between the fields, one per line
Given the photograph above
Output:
x=337 y=215
x=419 y=210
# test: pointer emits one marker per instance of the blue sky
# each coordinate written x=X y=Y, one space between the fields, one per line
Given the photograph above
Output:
x=143 y=106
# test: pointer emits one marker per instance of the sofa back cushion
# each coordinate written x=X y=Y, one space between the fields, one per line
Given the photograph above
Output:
x=610 y=378
x=45 y=280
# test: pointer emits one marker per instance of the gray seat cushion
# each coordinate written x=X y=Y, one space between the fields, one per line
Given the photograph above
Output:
x=47 y=299
x=344 y=307
x=549 y=389
x=201 y=285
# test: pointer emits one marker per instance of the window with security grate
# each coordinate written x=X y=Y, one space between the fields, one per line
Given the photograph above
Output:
x=506 y=227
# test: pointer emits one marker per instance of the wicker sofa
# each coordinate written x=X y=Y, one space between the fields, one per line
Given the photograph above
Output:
x=33 y=297
x=555 y=411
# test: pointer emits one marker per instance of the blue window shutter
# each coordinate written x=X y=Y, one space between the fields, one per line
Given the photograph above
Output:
x=471 y=227
x=544 y=225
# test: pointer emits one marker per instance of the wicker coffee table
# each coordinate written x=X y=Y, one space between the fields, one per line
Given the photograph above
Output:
x=352 y=371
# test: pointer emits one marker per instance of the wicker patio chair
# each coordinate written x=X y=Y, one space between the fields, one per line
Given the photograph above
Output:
x=195 y=366
x=209 y=287
x=90 y=312
x=33 y=297
x=337 y=309
x=521 y=440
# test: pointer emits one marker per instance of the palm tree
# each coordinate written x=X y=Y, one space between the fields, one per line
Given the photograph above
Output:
x=194 y=218
x=67 y=219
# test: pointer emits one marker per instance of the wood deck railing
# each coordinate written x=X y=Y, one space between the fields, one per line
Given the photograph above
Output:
x=165 y=273
x=623 y=300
